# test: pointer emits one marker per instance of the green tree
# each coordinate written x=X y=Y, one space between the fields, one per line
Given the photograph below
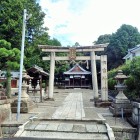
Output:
x=11 y=15
x=76 y=44
x=9 y=59
x=103 y=39
x=135 y=73
x=126 y=37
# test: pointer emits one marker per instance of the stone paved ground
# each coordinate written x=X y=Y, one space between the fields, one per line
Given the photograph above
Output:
x=46 y=109
x=72 y=117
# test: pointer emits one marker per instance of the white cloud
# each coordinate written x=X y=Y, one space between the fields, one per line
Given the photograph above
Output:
x=84 y=21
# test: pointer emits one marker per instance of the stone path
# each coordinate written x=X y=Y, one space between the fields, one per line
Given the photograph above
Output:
x=72 y=108
x=68 y=121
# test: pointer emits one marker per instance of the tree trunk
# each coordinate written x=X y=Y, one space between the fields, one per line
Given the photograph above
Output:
x=8 y=84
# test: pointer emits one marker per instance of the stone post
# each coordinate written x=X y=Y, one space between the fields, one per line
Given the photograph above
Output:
x=104 y=79
x=51 y=77
x=38 y=85
x=30 y=84
x=94 y=75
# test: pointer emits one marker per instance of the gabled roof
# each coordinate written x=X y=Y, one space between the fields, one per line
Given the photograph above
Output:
x=37 y=69
x=127 y=56
x=130 y=51
x=134 y=49
x=77 y=69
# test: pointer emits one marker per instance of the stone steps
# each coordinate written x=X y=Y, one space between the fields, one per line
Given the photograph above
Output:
x=87 y=127
x=65 y=130
x=64 y=135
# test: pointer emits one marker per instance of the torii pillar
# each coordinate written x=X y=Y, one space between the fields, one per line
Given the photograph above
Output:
x=51 y=77
x=94 y=75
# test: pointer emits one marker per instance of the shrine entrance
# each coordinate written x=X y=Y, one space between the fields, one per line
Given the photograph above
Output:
x=72 y=56
x=77 y=77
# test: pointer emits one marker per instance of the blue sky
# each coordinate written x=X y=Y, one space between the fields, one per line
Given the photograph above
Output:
x=84 y=21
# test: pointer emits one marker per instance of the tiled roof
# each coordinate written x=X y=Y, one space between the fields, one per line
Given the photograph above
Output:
x=77 y=69
x=37 y=69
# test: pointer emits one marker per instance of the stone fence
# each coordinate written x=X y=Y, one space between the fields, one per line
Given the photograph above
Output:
x=136 y=113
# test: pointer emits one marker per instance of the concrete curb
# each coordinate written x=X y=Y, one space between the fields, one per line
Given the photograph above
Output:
x=110 y=132
x=21 y=129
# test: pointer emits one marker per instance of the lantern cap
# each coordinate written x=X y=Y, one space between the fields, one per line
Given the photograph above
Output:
x=120 y=75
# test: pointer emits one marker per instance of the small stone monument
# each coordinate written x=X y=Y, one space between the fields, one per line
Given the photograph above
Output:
x=121 y=104
x=5 y=106
x=26 y=103
x=37 y=86
x=30 y=84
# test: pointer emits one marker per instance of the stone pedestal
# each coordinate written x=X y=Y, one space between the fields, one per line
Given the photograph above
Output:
x=26 y=103
x=121 y=105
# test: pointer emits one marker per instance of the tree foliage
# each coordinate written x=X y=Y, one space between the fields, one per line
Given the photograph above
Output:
x=132 y=70
x=9 y=60
x=126 y=37
x=135 y=73
x=103 y=39
x=11 y=16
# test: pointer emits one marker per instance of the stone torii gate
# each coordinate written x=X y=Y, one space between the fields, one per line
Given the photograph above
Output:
x=72 y=56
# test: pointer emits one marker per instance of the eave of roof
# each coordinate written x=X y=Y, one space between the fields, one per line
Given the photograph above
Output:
x=134 y=49
x=127 y=56
x=83 y=71
x=36 y=69
x=77 y=73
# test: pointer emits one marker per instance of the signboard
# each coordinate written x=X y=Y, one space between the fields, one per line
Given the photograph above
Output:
x=72 y=53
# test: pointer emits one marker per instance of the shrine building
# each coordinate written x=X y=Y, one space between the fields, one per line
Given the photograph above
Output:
x=77 y=77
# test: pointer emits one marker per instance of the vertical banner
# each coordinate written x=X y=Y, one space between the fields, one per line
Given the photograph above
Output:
x=104 y=78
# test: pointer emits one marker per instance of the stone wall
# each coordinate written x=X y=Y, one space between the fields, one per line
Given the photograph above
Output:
x=136 y=112
x=124 y=133
x=5 y=111
x=9 y=130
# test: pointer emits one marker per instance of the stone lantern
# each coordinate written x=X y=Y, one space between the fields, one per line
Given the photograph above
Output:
x=121 y=104
x=120 y=77
x=26 y=103
x=25 y=78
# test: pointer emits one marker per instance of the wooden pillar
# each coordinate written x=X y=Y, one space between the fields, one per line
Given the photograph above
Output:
x=81 y=80
x=94 y=75
x=46 y=87
x=104 y=79
x=40 y=76
x=73 y=80
x=51 y=77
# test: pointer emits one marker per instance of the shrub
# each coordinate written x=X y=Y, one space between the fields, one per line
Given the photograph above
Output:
x=111 y=83
x=130 y=82
x=43 y=85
